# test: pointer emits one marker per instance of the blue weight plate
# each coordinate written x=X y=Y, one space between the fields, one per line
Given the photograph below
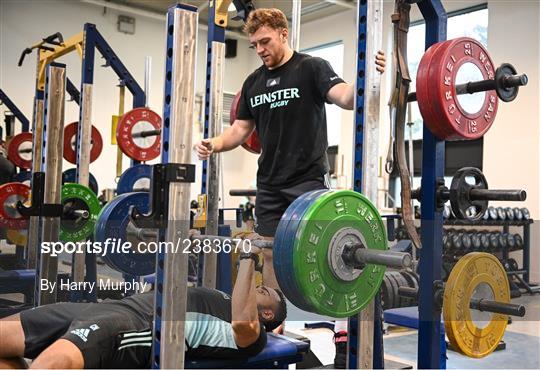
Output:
x=23 y=176
x=280 y=249
x=284 y=242
x=288 y=257
x=127 y=181
x=69 y=176
x=111 y=224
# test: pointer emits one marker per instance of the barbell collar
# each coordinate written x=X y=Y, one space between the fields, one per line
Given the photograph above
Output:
x=497 y=307
x=515 y=80
x=357 y=256
x=146 y=133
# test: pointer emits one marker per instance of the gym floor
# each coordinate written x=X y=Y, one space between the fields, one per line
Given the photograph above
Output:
x=522 y=340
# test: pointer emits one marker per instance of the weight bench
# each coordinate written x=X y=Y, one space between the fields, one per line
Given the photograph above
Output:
x=280 y=351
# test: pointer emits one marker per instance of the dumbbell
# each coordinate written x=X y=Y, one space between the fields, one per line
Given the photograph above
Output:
x=503 y=238
x=518 y=215
x=510 y=241
x=525 y=213
x=466 y=242
x=510 y=264
x=519 y=241
x=494 y=242
x=501 y=214
x=447 y=211
x=484 y=241
x=455 y=243
x=492 y=213
x=476 y=242
x=509 y=213
x=445 y=242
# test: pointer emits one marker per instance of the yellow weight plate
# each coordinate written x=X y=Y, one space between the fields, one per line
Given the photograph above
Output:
x=469 y=273
x=17 y=237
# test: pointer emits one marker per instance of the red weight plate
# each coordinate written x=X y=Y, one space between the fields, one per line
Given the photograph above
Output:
x=252 y=144
x=146 y=119
x=10 y=193
x=460 y=124
x=70 y=138
x=423 y=94
x=22 y=160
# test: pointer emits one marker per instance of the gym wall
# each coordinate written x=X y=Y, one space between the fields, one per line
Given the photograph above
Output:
x=25 y=22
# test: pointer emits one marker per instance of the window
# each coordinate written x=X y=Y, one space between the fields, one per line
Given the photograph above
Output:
x=471 y=22
x=333 y=53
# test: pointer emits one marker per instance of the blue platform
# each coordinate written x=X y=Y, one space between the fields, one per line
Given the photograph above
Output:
x=280 y=351
x=404 y=316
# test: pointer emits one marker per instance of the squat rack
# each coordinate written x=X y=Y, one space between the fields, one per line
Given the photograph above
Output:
x=431 y=341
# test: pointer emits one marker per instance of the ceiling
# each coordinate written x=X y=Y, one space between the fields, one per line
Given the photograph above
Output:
x=311 y=9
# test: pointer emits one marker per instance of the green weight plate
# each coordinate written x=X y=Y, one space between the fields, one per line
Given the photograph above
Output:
x=76 y=229
x=345 y=215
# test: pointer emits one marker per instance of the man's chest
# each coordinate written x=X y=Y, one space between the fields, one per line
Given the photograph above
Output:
x=270 y=93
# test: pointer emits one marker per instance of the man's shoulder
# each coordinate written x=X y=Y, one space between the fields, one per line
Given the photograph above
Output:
x=254 y=75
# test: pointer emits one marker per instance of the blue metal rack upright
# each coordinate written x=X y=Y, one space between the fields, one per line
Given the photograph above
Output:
x=431 y=344
x=94 y=40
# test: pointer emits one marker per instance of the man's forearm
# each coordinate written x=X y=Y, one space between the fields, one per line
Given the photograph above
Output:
x=244 y=302
x=231 y=137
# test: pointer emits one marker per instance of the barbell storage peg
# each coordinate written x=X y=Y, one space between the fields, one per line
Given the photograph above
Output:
x=146 y=133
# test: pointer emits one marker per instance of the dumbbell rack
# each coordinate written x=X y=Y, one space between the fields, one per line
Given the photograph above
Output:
x=525 y=224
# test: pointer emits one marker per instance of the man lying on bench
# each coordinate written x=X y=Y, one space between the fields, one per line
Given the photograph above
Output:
x=118 y=334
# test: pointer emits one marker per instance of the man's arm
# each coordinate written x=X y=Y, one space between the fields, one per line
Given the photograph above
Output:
x=342 y=94
x=245 y=316
x=231 y=137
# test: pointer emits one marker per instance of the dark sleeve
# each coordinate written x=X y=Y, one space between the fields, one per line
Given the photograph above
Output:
x=256 y=347
x=244 y=113
x=325 y=77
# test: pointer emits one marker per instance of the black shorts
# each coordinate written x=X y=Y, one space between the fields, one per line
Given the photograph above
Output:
x=108 y=334
x=271 y=204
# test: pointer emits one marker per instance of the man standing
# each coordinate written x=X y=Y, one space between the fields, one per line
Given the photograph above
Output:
x=284 y=100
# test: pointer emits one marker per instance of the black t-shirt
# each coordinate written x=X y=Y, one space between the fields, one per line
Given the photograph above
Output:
x=288 y=106
x=208 y=328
